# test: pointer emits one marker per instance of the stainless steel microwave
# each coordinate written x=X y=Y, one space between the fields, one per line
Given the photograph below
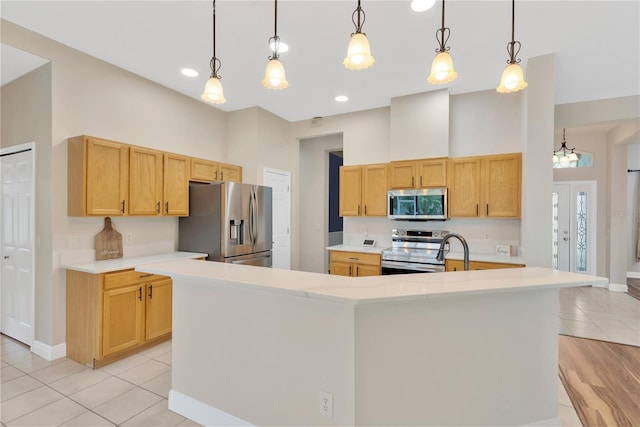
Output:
x=422 y=204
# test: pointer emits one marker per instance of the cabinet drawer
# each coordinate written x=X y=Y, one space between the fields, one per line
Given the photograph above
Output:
x=127 y=277
x=355 y=257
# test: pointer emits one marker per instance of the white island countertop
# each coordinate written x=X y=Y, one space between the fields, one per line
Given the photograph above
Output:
x=359 y=290
x=109 y=265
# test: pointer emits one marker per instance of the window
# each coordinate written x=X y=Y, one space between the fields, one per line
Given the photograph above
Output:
x=585 y=160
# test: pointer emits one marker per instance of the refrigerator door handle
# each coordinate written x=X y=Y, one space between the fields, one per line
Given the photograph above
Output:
x=251 y=218
x=255 y=215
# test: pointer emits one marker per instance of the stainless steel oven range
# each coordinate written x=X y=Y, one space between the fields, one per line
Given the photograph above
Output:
x=413 y=251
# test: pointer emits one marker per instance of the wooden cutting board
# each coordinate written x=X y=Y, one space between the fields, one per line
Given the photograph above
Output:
x=108 y=242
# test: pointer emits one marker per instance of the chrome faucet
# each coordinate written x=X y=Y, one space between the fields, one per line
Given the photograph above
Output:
x=440 y=256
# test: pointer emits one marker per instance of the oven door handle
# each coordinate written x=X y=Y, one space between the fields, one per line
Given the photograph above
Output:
x=433 y=268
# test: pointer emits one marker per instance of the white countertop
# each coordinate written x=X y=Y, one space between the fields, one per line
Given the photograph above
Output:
x=358 y=290
x=363 y=249
x=108 y=265
x=487 y=258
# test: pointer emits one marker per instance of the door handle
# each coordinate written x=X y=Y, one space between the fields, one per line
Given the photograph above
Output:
x=6 y=257
x=122 y=210
x=566 y=239
x=158 y=207
x=140 y=293
x=150 y=291
x=166 y=207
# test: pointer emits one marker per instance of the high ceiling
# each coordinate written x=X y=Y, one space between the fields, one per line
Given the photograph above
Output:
x=597 y=46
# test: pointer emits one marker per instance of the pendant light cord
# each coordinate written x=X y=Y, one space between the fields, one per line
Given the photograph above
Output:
x=360 y=19
x=443 y=34
x=511 y=46
x=215 y=63
x=214 y=28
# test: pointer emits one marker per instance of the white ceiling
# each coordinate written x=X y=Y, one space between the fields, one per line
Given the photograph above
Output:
x=597 y=46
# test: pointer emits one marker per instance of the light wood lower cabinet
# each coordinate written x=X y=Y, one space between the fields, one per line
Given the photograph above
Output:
x=113 y=315
x=458 y=265
x=355 y=264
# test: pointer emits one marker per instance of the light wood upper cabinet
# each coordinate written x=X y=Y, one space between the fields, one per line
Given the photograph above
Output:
x=424 y=173
x=203 y=170
x=485 y=186
x=230 y=172
x=176 y=185
x=145 y=181
x=464 y=187
x=502 y=185
x=374 y=190
x=350 y=190
x=97 y=177
x=363 y=190
x=403 y=174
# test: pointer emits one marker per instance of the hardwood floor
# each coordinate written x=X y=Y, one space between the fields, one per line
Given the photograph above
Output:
x=634 y=288
x=602 y=380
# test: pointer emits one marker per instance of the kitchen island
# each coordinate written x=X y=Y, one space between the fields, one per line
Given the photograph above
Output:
x=264 y=346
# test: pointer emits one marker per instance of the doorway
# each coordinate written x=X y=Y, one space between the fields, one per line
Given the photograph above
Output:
x=17 y=173
x=280 y=182
x=574 y=226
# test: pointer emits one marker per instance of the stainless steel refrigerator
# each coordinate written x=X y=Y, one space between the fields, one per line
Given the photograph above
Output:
x=229 y=221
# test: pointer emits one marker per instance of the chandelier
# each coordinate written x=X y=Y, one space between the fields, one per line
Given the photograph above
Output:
x=563 y=154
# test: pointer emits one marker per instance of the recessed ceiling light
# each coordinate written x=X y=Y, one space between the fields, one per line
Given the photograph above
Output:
x=422 y=5
x=189 y=72
x=283 y=47
x=341 y=98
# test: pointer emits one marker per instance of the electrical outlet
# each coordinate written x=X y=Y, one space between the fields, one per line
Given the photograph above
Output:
x=73 y=241
x=326 y=404
x=128 y=237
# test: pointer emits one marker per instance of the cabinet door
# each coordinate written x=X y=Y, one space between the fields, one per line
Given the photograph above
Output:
x=374 y=190
x=158 y=308
x=502 y=183
x=464 y=187
x=402 y=174
x=340 y=268
x=106 y=177
x=176 y=185
x=122 y=319
x=230 y=172
x=433 y=172
x=203 y=170
x=145 y=182
x=367 y=270
x=350 y=190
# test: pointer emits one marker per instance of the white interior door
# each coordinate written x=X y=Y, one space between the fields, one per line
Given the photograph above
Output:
x=280 y=182
x=574 y=226
x=17 y=177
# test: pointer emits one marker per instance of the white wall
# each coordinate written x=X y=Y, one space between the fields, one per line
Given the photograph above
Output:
x=595 y=143
x=92 y=97
x=26 y=117
x=633 y=197
x=314 y=200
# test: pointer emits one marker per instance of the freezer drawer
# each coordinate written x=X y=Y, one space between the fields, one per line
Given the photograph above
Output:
x=261 y=259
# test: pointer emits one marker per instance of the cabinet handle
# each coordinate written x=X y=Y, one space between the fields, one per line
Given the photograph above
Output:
x=140 y=293
x=412 y=181
x=145 y=275
x=358 y=209
x=477 y=210
x=354 y=258
x=365 y=209
x=122 y=210
x=420 y=180
x=349 y=270
x=222 y=176
x=455 y=268
x=158 y=207
x=166 y=207
x=487 y=208
x=216 y=178
x=357 y=270
x=150 y=291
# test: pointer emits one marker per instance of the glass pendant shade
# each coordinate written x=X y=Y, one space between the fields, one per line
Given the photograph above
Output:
x=213 y=91
x=512 y=79
x=422 y=5
x=442 y=69
x=573 y=157
x=274 y=77
x=359 y=53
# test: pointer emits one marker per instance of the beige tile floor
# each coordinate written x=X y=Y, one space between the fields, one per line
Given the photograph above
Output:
x=133 y=391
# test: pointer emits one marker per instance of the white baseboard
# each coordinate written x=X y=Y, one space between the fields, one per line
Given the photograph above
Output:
x=202 y=413
x=551 y=422
x=49 y=352
x=633 y=274
x=617 y=287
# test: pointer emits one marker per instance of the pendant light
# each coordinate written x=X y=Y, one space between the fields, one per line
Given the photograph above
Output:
x=564 y=154
x=274 y=77
x=512 y=77
x=359 y=52
x=442 y=66
x=213 y=89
